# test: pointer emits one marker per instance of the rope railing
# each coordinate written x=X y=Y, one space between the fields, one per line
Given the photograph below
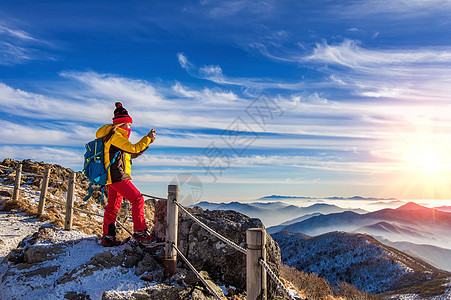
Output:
x=82 y=184
x=276 y=280
x=99 y=215
x=256 y=267
x=32 y=174
x=37 y=175
x=222 y=238
x=153 y=197
x=57 y=180
x=7 y=168
x=198 y=275
x=54 y=201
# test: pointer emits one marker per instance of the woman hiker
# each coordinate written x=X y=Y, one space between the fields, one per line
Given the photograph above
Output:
x=115 y=137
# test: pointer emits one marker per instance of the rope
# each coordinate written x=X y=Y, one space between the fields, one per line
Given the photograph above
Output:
x=6 y=168
x=224 y=239
x=54 y=201
x=276 y=280
x=36 y=175
x=153 y=197
x=196 y=273
x=82 y=184
x=57 y=180
x=33 y=174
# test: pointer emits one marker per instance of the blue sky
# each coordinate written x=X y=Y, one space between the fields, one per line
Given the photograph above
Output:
x=306 y=98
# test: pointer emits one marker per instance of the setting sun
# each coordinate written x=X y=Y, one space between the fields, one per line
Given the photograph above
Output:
x=423 y=164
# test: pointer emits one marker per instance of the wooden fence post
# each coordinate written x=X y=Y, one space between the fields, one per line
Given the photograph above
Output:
x=17 y=182
x=44 y=186
x=70 y=201
x=255 y=273
x=170 y=261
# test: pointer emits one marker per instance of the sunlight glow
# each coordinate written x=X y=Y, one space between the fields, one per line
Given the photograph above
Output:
x=429 y=159
x=424 y=163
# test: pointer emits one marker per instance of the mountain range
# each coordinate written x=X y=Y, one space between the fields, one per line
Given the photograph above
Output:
x=436 y=256
x=444 y=208
x=272 y=197
x=411 y=223
x=357 y=259
x=274 y=213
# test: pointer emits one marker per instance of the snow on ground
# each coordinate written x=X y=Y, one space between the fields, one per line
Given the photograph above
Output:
x=13 y=228
x=78 y=249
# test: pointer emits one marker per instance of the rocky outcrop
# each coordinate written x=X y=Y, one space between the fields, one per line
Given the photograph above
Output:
x=206 y=252
x=56 y=187
x=46 y=260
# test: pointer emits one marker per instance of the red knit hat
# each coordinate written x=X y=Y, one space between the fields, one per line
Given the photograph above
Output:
x=121 y=114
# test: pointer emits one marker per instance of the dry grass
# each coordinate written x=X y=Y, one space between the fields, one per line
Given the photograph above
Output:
x=317 y=288
x=20 y=205
x=351 y=292
x=311 y=285
x=429 y=288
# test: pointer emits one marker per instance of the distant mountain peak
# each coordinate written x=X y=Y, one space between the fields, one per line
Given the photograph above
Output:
x=411 y=206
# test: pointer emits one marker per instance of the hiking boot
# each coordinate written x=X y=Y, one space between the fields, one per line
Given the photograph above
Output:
x=143 y=236
x=109 y=241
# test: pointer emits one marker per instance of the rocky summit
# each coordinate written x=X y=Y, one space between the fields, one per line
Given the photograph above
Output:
x=56 y=264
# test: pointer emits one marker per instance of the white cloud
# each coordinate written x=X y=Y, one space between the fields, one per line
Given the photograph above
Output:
x=16 y=33
x=18 y=46
x=226 y=10
x=39 y=106
x=277 y=162
x=12 y=54
x=350 y=54
x=419 y=74
x=310 y=120
x=384 y=92
x=206 y=95
x=213 y=73
x=117 y=88
x=33 y=133
x=69 y=158
x=401 y=9
x=183 y=61
x=254 y=86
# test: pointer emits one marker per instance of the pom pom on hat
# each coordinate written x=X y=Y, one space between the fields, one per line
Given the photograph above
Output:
x=121 y=114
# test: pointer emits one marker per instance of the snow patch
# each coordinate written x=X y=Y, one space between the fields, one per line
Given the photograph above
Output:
x=14 y=227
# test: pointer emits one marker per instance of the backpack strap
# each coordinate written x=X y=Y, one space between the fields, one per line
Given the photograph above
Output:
x=89 y=192
x=103 y=186
x=113 y=160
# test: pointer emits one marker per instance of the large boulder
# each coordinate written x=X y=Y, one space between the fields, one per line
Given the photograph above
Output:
x=206 y=252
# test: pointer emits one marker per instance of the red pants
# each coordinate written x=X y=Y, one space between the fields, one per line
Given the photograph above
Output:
x=116 y=192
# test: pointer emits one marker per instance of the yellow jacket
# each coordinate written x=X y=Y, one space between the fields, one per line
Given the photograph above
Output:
x=121 y=168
